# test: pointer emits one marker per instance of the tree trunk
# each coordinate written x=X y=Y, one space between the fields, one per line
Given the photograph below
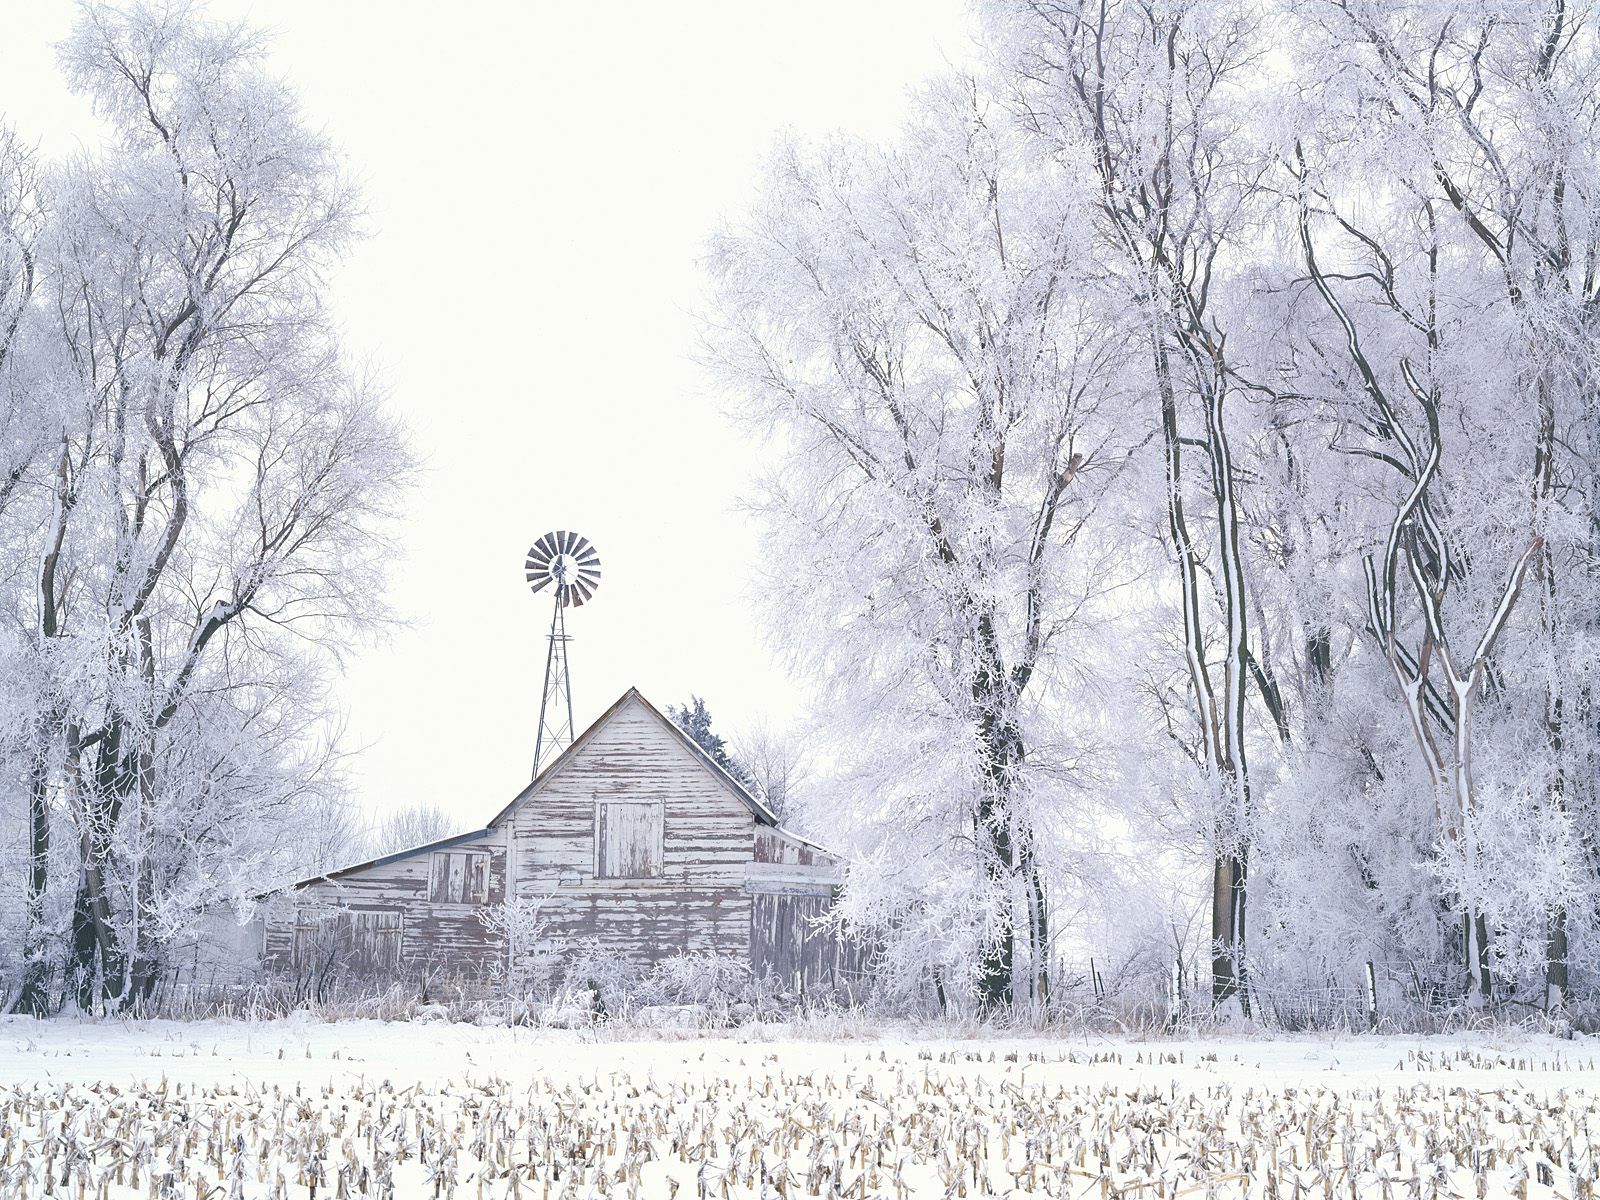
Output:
x=1480 y=983
x=1227 y=874
x=97 y=959
x=1229 y=885
x=35 y=971
x=999 y=956
x=1479 y=987
x=1556 y=949
x=1008 y=842
x=1555 y=974
x=35 y=995
x=143 y=967
x=1038 y=928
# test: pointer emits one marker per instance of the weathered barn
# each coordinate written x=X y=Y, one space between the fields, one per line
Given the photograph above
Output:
x=633 y=838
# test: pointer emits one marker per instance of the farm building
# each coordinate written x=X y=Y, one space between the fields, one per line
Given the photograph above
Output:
x=633 y=838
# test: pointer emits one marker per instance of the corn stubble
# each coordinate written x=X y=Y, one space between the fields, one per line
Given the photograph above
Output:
x=950 y=1124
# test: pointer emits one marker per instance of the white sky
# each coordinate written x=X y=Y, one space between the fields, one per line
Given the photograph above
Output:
x=540 y=179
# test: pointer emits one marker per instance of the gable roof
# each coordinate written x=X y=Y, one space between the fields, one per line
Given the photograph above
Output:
x=760 y=811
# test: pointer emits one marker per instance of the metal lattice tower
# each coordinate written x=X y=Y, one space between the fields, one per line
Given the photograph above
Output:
x=570 y=563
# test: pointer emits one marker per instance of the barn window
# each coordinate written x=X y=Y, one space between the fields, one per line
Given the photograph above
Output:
x=628 y=840
x=459 y=877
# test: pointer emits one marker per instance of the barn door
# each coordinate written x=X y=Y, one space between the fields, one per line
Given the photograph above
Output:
x=361 y=942
x=376 y=940
x=628 y=839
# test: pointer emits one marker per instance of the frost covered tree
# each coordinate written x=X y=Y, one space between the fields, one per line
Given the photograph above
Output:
x=908 y=323
x=1151 y=101
x=1457 y=268
x=23 y=411
x=414 y=825
x=776 y=767
x=194 y=522
x=1315 y=285
x=410 y=826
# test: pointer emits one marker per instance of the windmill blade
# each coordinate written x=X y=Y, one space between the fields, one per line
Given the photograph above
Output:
x=568 y=560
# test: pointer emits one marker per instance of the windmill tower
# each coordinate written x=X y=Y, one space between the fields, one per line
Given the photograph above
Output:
x=572 y=565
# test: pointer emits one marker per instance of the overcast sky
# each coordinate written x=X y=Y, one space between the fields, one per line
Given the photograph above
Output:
x=540 y=179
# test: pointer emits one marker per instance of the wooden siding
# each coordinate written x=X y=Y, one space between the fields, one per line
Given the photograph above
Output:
x=361 y=941
x=780 y=847
x=792 y=884
x=643 y=924
x=788 y=943
x=433 y=935
x=785 y=864
x=696 y=898
x=707 y=832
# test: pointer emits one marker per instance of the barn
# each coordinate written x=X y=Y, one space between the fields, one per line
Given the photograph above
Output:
x=632 y=840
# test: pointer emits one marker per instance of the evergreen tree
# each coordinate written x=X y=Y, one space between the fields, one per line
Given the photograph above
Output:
x=694 y=718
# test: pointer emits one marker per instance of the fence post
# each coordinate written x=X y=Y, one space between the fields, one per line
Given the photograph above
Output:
x=1372 y=996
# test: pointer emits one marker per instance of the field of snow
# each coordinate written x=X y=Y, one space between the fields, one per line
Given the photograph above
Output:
x=297 y=1108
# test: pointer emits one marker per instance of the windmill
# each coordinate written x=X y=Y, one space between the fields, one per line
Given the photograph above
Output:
x=572 y=565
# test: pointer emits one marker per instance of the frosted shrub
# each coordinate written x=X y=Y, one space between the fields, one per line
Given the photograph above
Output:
x=699 y=977
x=598 y=978
x=531 y=960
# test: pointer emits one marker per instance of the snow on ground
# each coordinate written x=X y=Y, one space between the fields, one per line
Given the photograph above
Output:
x=302 y=1108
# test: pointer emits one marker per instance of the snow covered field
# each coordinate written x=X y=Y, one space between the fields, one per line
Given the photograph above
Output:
x=298 y=1108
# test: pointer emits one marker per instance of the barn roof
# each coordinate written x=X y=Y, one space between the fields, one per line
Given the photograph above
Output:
x=760 y=811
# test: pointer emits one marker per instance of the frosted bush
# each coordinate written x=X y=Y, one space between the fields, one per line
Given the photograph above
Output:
x=699 y=977
x=598 y=978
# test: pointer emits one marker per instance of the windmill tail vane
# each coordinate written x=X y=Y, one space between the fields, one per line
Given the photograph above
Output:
x=570 y=565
